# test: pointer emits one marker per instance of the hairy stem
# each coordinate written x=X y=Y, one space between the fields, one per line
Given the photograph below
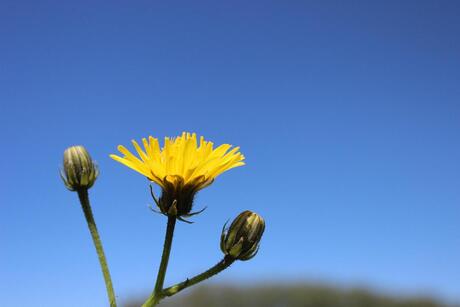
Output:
x=156 y=296
x=84 y=200
x=219 y=267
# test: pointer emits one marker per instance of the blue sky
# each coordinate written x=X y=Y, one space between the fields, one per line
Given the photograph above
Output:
x=348 y=114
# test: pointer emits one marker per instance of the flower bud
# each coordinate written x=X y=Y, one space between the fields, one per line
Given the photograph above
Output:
x=241 y=240
x=79 y=171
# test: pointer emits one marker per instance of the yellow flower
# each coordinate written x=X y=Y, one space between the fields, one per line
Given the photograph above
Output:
x=181 y=168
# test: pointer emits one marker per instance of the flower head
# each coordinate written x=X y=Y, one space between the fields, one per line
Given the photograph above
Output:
x=79 y=171
x=241 y=240
x=181 y=168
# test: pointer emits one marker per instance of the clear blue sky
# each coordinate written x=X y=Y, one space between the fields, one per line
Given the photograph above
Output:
x=348 y=115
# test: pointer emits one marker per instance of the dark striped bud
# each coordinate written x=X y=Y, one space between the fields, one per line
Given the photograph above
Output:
x=79 y=171
x=241 y=240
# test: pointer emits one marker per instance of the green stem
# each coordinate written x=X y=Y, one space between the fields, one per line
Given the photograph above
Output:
x=219 y=267
x=156 y=296
x=84 y=200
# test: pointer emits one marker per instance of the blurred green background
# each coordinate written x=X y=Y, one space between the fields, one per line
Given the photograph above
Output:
x=289 y=295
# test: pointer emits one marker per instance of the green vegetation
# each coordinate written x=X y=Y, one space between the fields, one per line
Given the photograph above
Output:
x=290 y=296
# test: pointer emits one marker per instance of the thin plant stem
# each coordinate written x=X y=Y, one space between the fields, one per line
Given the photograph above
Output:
x=219 y=267
x=156 y=296
x=84 y=200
